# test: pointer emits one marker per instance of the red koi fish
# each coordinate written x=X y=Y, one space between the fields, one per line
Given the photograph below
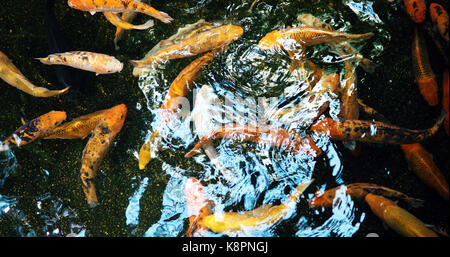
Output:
x=263 y=134
x=416 y=9
x=34 y=129
x=97 y=147
x=94 y=6
x=198 y=205
x=423 y=73
x=397 y=218
x=440 y=19
x=373 y=131
x=421 y=162
x=359 y=191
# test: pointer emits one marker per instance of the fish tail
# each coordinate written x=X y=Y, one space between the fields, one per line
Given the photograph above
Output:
x=144 y=26
x=429 y=89
x=414 y=202
x=44 y=92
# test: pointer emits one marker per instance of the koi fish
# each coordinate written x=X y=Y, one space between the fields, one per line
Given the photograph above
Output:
x=214 y=38
x=440 y=19
x=445 y=86
x=94 y=62
x=97 y=147
x=198 y=205
x=179 y=88
x=289 y=38
x=397 y=218
x=423 y=73
x=262 y=134
x=12 y=75
x=373 y=131
x=416 y=10
x=359 y=191
x=94 y=6
x=421 y=162
x=343 y=49
x=34 y=129
x=78 y=128
x=266 y=215
x=128 y=17
x=117 y=21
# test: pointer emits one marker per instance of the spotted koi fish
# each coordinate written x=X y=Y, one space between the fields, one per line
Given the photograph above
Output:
x=398 y=218
x=34 y=129
x=416 y=10
x=94 y=62
x=12 y=75
x=359 y=191
x=291 y=38
x=214 y=38
x=440 y=19
x=445 y=86
x=421 y=162
x=198 y=205
x=179 y=88
x=97 y=147
x=94 y=6
x=78 y=128
x=266 y=215
x=262 y=134
x=117 y=21
x=423 y=73
x=373 y=131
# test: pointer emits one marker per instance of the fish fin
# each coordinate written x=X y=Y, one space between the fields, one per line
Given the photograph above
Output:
x=23 y=121
x=92 y=12
x=415 y=202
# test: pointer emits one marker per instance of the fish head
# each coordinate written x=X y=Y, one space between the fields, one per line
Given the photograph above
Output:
x=322 y=199
x=78 y=4
x=270 y=41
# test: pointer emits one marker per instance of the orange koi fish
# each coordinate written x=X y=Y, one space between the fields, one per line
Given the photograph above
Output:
x=34 y=129
x=128 y=17
x=290 y=38
x=440 y=19
x=263 y=216
x=198 y=205
x=214 y=38
x=179 y=88
x=445 y=86
x=97 y=147
x=423 y=73
x=359 y=191
x=397 y=218
x=416 y=9
x=117 y=21
x=373 y=131
x=421 y=162
x=95 y=62
x=78 y=128
x=262 y=134
x=94 y=6
x=12 y=75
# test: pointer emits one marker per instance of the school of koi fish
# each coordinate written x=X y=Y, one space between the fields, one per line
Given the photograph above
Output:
x=208 y=40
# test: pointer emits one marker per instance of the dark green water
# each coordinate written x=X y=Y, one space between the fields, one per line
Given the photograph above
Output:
x=41 y=194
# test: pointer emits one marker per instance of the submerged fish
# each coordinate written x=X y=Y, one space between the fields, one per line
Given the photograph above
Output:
x=214 y=38
x=373 y=131
x=398 y=218
x=12 y=75
x=416 y=9
x=89 y=61
x=94 y=6
x=299 y=37
x=266 y=215
x=34 y=129
x=440 y=19
x=421 y=162
x=127 y=17
x=423 y=73
x=262 y=134
x=359 y=191
x=198 y=205
x=96 y=148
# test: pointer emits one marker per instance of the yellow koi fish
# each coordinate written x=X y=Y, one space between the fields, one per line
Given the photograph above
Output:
x=117 y=21
x=266 y=215
x=214 y=38
x=94 y=6
x=97 y=147
x=12 y=75
x=299 y=37
x=34 y=129
x=95 y=62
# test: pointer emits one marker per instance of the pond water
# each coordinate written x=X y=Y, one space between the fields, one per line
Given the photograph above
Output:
x=40 y=192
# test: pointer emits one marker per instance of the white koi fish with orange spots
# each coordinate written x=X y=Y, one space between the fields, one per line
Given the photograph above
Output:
x=89 y=61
